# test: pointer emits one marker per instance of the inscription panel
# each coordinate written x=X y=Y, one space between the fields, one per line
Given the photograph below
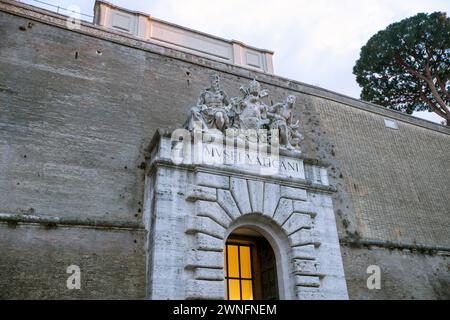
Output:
x=239 y=159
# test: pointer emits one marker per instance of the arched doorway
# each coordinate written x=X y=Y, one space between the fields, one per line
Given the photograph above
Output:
x=249 y=266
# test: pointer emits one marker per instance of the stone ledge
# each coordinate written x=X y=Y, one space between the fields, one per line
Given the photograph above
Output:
x=53 y=221
x=393 y=245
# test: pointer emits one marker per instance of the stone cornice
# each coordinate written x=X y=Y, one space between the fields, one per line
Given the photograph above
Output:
x=57 y=20
x=366 y=242
x=285 y=181
x=53 y=221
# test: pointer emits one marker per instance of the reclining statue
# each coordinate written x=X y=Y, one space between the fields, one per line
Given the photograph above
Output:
x=212 y=109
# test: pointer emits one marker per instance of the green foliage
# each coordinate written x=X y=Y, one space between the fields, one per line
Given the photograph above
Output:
x=406 y=67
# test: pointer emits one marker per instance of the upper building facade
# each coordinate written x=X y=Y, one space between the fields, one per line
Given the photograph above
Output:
x=88 y=178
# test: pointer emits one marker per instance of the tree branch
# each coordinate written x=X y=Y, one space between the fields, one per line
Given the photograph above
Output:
x=433 y=108
x=409 y=68
x=436 y=76
x=442 y=86
x=429 y=80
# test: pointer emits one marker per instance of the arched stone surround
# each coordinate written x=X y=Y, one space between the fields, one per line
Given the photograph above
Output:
x=280 y=246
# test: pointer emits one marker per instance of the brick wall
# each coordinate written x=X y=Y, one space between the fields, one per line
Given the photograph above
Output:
x=78 y=109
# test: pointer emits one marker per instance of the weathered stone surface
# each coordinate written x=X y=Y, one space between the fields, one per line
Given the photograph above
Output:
x=271 y=198
x=296 y=222
x=256 y=192
x=306 y=267
x=307 y=281
x=204 y=259
x=34 y=261
x=303 y=237
x=402 y=274
x=108 y=134
x=208 y=243
x=213 y=211
x=283 y=212
x=293 y=193
x=239 y=191
x=209 y=274
x=306 y=252
x=204 y=225
x=194 y=193
x=304 y=207
x=205 y=290
x=226 y=201
x=212 y=180
x=309 y=293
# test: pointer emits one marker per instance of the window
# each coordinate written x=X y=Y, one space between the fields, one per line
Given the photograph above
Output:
x=392 y=124
x=239 y=271
x=249 y=266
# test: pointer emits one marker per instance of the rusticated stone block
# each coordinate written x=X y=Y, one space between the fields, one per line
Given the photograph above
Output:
x=303 y=237
x=209 y=274
x=205 y=290
x=194 y=193
x=213 y=211
x=283 y=212
x=226 y=201
x=296 y=222
x=293 y=193
x=305 y=207
x=204 y=259
x=307 y=281
x=271 y=198
x=306 y=252
x=306 y=267
x=207 y=243
x=204 y=225
x=212 y=180
x=239 y=191
x=256 y=192
x=309 y=293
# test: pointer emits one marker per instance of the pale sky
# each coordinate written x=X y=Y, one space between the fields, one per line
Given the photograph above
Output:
x=315 y=41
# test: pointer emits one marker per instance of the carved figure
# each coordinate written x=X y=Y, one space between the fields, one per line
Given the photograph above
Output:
x=212 y=109
x=245 y=113
x=251 y=110
x=282 y=116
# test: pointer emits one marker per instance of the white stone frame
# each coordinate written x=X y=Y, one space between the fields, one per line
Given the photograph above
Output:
x=194 y=208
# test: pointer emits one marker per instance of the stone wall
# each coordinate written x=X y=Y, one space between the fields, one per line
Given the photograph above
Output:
x=397 y=179
x=78 y=109
x=405 y=274
x=34 y=261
